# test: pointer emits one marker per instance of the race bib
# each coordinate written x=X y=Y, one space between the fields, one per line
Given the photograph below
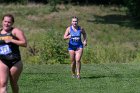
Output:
x=75 y=39
x=4 y=49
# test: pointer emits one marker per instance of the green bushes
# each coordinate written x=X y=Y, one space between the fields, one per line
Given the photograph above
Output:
x=112 y=53
x=50 y=48
x=134 y=8
x=54 y=49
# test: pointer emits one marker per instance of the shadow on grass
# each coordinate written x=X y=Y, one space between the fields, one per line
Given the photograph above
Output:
x=122 y=20
x=34 y=73
x=93 y=77
x=112 y=76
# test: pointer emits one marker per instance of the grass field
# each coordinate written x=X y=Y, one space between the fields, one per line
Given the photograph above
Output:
x=113 y=43
x=96 y=78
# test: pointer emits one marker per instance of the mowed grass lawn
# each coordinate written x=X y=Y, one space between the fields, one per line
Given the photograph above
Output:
x=96 y=78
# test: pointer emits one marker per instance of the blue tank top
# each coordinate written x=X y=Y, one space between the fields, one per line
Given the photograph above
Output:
x=75 y=37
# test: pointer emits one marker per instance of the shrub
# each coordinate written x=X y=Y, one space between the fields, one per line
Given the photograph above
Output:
x=112 y=53
x=49 y=50
x=133 y=6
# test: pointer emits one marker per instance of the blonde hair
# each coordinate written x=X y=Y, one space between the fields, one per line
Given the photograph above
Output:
x=75 y=17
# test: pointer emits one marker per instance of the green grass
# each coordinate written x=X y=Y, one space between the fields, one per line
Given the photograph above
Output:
x=96 y=78
x=112 y=39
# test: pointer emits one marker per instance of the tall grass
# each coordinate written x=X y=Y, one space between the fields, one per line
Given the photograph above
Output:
x=112 y=53
x=112 y=37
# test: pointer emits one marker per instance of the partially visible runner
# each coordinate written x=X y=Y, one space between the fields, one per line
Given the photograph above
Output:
x=10 y=60
x=76 y=45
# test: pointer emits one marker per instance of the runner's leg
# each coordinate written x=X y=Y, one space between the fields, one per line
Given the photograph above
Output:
x=4 y=74
x=15 y=72
x=73 y=62
x=78 y=56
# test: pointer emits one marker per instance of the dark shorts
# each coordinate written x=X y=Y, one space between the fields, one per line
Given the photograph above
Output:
x=10 y=63
x=72 y=47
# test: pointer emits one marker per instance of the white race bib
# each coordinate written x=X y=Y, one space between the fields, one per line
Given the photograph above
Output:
x=75 y=39
x=4 y=49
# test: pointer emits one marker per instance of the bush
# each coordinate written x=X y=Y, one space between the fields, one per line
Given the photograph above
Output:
x=50 y=49
x=53 y=48
x=133 y=6
x=112 y=53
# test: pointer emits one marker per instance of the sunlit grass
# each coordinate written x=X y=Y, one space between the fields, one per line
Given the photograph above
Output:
x=101 y=78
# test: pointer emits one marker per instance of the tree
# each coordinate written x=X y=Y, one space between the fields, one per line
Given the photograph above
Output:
x=133 y=7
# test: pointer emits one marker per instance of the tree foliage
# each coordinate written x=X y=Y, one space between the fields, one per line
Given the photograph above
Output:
x=14 y=1
x=66 y=1
x=134 y=8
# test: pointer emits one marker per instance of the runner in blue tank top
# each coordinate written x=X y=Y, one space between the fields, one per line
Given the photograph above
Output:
x=75 y=40
x=75 y=46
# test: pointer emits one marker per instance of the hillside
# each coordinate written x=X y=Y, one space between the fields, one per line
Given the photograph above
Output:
x=112 y=35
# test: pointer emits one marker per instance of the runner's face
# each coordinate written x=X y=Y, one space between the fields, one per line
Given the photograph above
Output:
x=7 y=23
x=74 y=22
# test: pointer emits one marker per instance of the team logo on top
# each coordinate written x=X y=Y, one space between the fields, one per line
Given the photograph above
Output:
x=5 y=37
